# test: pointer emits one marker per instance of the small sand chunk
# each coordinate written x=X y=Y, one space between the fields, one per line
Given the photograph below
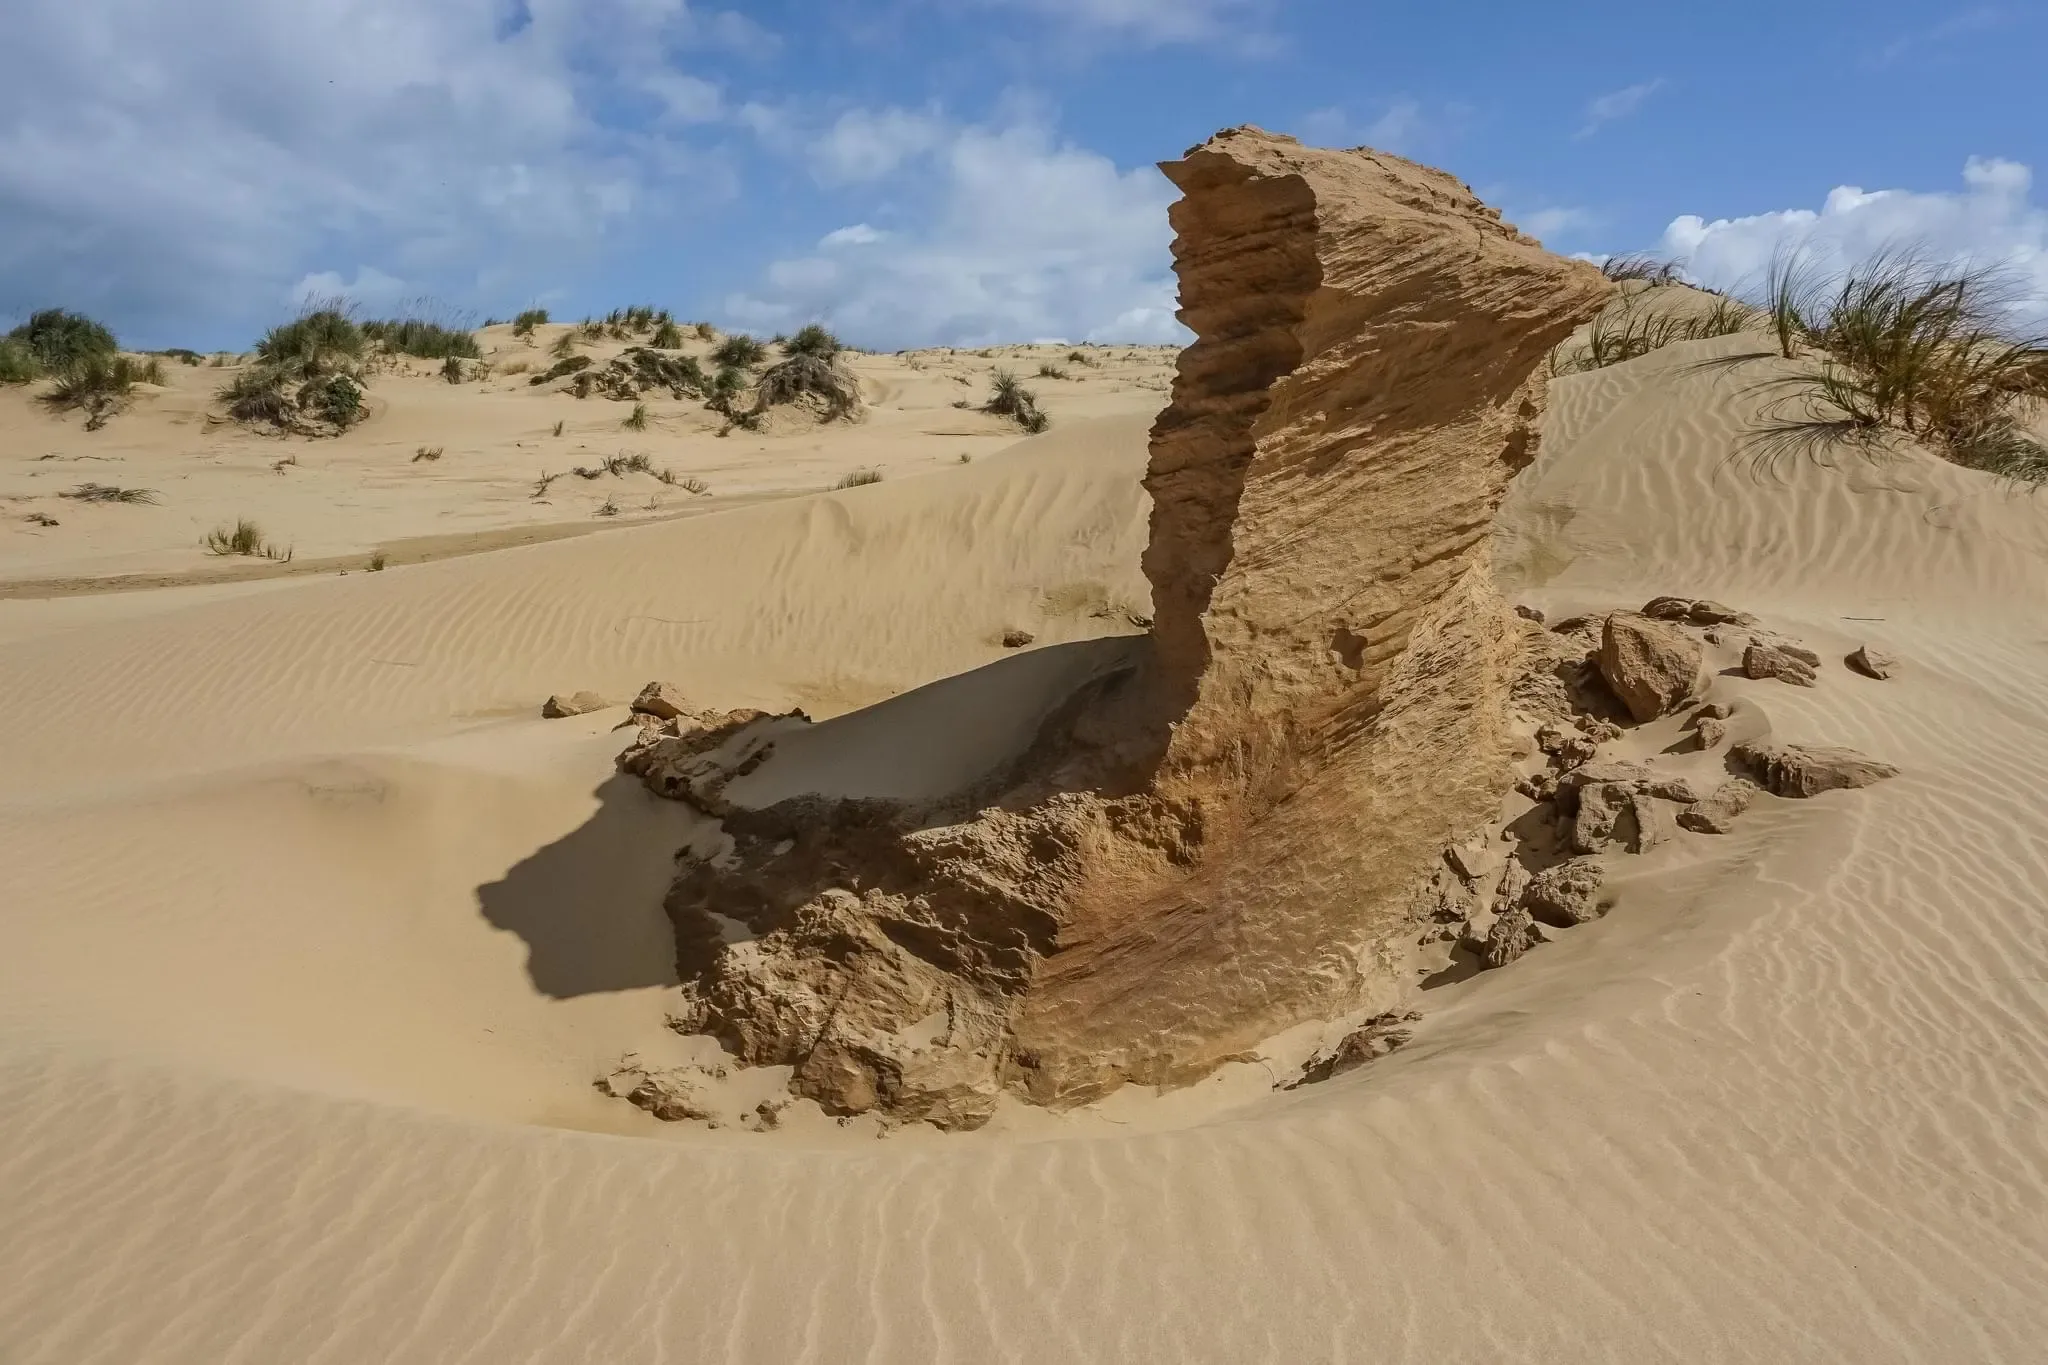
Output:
x=1370 y=1041
x=1872 y=663
x=1652 y=667
x=1716 y=814
x=1566 y=894
x=1800 y=770
x=1017 y=639
x=661 y=699
x=1762 y=661
x=1529 y=613
x=559 y=706
x=1512 y=935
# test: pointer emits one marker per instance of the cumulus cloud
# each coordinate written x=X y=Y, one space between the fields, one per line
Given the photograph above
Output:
x=1616 y=104
x=1004 y=232
x=173 y=165
x=1992 y=221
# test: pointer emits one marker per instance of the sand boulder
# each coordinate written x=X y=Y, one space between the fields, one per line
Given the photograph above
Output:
x=1801 y=770
x=1651 y=666
x=1228 y=840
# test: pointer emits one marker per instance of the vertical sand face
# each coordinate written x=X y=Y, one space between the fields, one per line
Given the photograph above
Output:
x=1229 y=845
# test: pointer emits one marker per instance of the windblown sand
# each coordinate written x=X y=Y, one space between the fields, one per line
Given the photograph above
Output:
x=315 y=938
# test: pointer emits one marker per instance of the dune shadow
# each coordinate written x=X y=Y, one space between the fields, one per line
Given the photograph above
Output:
x=588 y=905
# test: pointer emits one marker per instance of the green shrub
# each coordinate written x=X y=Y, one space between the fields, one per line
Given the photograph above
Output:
x=667 y=337
x=423 y=338
x=739 y=352
x=812 y=340
x=59 y=339
x=96 y=383
x=18 y=364
x=523 y=325
x=320 y=341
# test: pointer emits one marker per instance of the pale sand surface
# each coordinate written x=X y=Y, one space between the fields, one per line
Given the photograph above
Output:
x=315 y=939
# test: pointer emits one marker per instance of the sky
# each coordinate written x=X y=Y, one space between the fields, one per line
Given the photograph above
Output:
x=947 y=172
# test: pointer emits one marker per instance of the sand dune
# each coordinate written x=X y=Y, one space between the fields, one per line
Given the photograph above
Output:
x=315 y=938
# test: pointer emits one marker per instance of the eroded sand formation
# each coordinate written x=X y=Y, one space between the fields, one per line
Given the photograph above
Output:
x=1226 y=838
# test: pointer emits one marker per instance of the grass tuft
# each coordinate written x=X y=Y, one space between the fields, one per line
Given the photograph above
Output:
x=1646 y=269
x=428 y=453
x=739 y=352
x=1630 y=331
x=245 y=537
x=812 y=340
x=1009 y=398
x=1903 y=345
x=859 y=478
x=636 y=420
x=527 y=320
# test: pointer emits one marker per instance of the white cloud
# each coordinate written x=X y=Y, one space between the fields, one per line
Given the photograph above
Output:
x=371 y=289
x=1617 y=104
x=1547 y=223
x=867 y=144
x=857 y=234
x=173 y=164
x=1150 y=21
x=1015 y=235
x=1401 y=128
x=1991 y=222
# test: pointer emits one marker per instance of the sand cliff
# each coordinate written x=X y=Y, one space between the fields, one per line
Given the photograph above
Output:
x=1216 y=841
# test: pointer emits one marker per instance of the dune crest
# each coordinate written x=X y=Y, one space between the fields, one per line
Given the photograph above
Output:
x=1212 y=843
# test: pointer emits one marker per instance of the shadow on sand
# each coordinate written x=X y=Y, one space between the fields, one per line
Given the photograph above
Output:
x=589 y=904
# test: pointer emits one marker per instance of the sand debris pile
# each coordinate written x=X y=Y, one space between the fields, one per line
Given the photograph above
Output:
x=1226 y=838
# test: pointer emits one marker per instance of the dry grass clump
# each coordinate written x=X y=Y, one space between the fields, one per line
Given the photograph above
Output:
x=427 y=453
x=1008 y=398
x=1633 y=330
x=245 y=537
x=860 y=478
x=667 y=337
x=626 y=377
x=1051 y=372
x=565 y=346
x=106 y=492
x=610 y=508
x=527 y=320
x=99 y=385
x=1644 y=269
x=1904 y=345
x=818 y=381
x=636 y=420
x=568 y=365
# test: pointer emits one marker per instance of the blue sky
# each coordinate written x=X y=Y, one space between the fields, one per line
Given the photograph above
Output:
x=945 y=171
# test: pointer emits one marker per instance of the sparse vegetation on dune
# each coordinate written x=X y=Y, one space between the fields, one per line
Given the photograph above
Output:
x=105 y=492
x=245 y=537
x=423 y=337
x=1631 y=330
x=1051 y=372
x=636 y=420
x=567 y=365
x=98 y=385
x=427 y=453
x=1645 y=269
x=859 y=478
x=1904 y=345
x=565 y=345
x=527 y=320
x=1008 y=398
x=667 y=337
